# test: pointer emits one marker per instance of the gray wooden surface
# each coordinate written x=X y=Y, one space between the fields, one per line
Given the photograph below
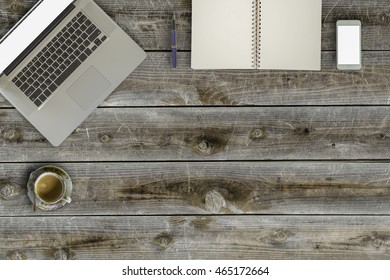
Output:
x=183 y=164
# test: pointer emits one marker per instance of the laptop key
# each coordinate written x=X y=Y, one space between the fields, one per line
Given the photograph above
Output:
x=47 y=93
x=37 y=102
x=24 y=87
x=94 y=35
x=88 y=52
x=98 y=42
x=35 y=94
x=90 y=29
x=18 y=83
x=29 y=91
x=52 y=87
x=35 y=75
x=81 y=19
x=83 y=57
x=67 y=72
x=23 y=79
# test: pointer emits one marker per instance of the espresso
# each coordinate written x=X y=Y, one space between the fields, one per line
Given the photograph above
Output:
x=49 y=188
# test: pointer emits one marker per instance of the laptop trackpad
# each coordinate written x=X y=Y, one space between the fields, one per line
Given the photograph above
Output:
x=89 y=87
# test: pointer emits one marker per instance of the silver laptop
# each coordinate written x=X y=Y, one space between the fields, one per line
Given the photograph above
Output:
x=60 y=61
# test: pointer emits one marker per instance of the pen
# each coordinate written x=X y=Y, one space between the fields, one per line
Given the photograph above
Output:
x=174 y=42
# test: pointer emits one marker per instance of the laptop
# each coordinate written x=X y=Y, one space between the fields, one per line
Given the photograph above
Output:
x=62 y=60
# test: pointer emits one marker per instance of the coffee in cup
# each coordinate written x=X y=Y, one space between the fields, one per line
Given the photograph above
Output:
x=49 y=187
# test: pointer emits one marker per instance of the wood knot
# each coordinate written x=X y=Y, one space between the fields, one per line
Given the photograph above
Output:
x=9 y=190
x=209 y=142
x=209 y=145
x=61 y=254
x=257 y=133
x=163 y=241
x=302 y=131
x=11 y=135
x=377 y=242
x=279 y=236
x=105 y=138
x=214 y=202
x=15 y=255
x=205 y=147
x=17 y=6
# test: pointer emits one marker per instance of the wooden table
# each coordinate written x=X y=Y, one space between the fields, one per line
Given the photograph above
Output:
x=182 y=164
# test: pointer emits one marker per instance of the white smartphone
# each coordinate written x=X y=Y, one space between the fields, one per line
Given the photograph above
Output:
x=349 y=45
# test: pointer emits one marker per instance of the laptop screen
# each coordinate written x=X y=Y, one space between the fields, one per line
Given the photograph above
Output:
x=29 y=28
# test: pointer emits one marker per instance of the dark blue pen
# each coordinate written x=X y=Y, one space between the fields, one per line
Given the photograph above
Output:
x=174 y=43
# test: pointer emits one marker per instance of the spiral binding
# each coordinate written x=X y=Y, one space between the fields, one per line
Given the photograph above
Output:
x=256 y=33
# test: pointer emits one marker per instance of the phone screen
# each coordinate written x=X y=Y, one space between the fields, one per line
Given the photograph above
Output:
x=348 y=45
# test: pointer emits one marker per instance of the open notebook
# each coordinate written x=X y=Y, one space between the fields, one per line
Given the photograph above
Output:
x=256 y=34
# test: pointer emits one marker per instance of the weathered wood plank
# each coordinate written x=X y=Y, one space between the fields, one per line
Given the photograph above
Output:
x=163 y=134
x=149 y=22
x=154 y=83
x=209 y=188
x=234 y=237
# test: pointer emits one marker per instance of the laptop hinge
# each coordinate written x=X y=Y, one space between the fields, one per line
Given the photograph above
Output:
x=38 y=40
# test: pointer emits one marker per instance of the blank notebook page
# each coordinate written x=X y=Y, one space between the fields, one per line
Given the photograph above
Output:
x=222 y=34
x=290 y=34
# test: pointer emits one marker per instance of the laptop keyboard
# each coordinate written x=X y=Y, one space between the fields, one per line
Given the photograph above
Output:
x=59 y=59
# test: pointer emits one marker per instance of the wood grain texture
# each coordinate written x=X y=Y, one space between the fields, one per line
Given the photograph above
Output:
x=155 y=83
x=209 y=188
x=197 y=178
x=149 y=21
x=165 y=134
x=212 y=237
